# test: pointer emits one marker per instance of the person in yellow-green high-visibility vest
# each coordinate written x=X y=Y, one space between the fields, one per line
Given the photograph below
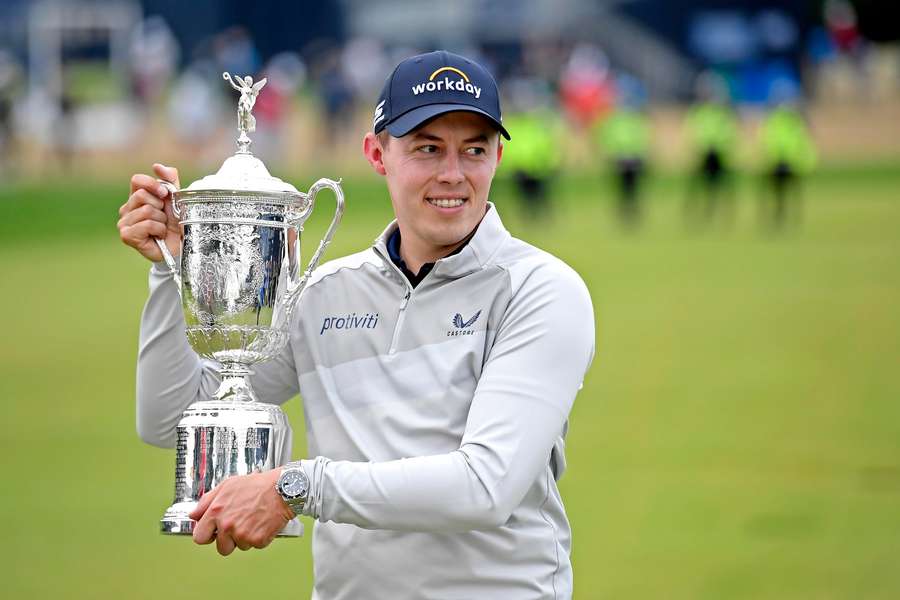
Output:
x=712 y=130
x=788 y=154
x=533 y=159
x=624 y=136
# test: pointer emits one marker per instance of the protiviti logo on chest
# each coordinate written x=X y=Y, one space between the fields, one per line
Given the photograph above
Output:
x=351 y=321
x=435 y=84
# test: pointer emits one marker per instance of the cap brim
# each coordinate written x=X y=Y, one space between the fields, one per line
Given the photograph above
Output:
x=418 y=116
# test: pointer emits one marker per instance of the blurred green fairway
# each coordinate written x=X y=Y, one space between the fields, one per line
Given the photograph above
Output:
x=738 y=435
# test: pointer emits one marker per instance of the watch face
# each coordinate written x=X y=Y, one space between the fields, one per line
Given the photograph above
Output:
x=294 y=484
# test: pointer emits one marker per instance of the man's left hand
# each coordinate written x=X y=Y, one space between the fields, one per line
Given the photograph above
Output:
x=243 y=511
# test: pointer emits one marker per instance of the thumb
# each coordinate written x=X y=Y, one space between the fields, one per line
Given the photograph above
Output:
x=165 y=173
x=169 y=174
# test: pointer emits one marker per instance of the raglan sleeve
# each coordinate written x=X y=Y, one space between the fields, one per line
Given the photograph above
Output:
x=543 y=347
x=171 y=376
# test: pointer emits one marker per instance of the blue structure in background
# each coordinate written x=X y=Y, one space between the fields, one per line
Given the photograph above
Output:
x=275 y=26
x=757 y=46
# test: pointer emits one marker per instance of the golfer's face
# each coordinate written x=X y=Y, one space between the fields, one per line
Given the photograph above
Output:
x=439 y=177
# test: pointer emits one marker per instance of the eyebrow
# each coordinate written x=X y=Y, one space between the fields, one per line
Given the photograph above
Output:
x=434 y=138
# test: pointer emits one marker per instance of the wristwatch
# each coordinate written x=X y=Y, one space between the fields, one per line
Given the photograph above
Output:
x=293 y=486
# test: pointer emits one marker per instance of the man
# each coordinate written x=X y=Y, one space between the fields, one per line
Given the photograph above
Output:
x=789 y=153
x=624 y=135
x=438 y=431
x=712 y=129
x=534 y=159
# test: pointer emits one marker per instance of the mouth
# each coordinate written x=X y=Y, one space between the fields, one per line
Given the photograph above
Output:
x=446 y=203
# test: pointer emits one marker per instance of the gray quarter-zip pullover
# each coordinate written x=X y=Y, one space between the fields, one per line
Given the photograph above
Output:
x=437 y=415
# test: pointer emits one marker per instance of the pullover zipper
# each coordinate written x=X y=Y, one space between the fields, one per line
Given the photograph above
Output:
x=400 y=316
x=399 y=324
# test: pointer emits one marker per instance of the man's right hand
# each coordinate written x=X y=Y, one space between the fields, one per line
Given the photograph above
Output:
x=148 y=214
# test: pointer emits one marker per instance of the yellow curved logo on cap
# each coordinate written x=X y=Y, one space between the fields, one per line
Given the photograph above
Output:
x=455 y=70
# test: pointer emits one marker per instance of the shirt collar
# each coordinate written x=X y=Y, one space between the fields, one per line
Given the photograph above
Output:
x=393 y=248
x=473 y=256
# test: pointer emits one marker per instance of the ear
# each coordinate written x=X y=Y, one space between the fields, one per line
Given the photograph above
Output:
x=499 y=151
x=374 y=153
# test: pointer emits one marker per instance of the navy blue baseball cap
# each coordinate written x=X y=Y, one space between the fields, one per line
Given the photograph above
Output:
x=425 y=86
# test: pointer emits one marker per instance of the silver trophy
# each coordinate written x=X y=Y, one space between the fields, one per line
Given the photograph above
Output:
x=239 y=280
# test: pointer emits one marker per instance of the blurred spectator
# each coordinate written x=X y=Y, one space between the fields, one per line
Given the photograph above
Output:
x=776 y=31
x=65 y=132
x=10 y=82
x=236 y=53
x=585 y=89
x=195 y=106
x=532 y=157
x=624 y=137
x=712 y=132
x=154 y=56
x=365 y=65
x=788 y=155
x=336 y=94
x=840 y=19
x=842 y=56
x=285 y=73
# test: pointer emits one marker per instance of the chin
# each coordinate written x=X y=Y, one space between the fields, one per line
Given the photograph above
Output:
x=452 y=236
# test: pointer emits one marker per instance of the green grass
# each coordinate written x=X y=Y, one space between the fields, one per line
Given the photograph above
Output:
x=738 y=435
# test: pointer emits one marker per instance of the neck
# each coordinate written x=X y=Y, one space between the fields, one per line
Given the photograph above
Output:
x=415 y=251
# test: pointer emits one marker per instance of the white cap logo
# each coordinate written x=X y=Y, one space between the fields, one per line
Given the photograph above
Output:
x=379 y=113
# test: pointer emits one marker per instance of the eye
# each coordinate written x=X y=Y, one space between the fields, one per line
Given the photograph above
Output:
x=428 y=148
x=475 y=151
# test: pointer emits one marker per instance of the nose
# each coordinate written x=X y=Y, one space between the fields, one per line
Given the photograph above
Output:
x=451 y=170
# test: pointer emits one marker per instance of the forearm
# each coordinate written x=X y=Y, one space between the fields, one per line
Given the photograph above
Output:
x=170 y=375
x=474 y=487
x=431 y=493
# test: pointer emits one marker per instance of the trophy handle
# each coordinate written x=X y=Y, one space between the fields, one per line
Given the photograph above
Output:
x=335 y=186
x=167 y=256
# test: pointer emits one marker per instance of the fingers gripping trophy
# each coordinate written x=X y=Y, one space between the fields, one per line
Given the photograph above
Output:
x=239 y=277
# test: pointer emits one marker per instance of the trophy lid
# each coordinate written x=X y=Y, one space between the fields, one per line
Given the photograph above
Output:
x=244 y=172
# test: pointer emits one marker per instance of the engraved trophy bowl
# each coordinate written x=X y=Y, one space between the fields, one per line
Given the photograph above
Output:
x=239 y=278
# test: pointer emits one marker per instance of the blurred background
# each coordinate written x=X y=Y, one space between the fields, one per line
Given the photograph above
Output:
x=725 y=176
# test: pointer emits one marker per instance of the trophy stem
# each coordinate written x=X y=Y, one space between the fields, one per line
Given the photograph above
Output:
x=244 y=143
x=234 y=386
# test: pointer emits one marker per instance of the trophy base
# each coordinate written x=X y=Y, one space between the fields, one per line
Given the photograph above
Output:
x=177 y=522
